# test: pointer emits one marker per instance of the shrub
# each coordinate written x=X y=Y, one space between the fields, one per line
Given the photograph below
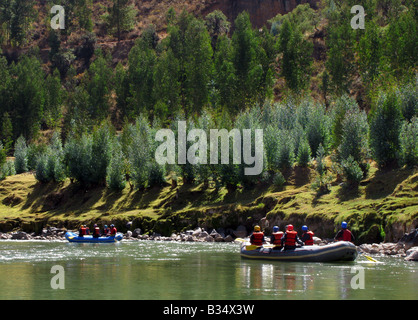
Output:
x=21 y=155
x=304 y=153
x=409 y=143
x=354 y=136
x=352 y=171
x=7 y=169
x=78 y=158
x=116 y=178
x=409 y=100
x=278 y=179
x=385 y=126
x=43 y=173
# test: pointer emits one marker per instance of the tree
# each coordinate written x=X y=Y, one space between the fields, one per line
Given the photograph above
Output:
x=6 y=133
x=6 y=15
x=296 y=60
x=166 y=89
x=217 y=25
x=340 y=60
x=140 y=75
x=21 y=155
x=22 y=13
x=409 y=143
x=248 y=72
x=28 y=97
x=54 y=98
x=98 y=88
x=121 y=17
x=370 y=53
x=385 y=126
x=402 y=43
x=116 y=177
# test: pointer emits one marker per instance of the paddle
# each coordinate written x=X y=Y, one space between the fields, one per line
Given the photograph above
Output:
x=368 y=258
x=253 y=246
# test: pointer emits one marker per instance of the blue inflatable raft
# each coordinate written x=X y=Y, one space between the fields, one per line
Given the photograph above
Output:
x=73 y=237
x=338 y=251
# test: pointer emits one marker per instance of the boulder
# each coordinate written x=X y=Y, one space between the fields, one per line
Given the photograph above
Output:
x=228 y=238
x=412 y=254
x=128 y=234
x=20 y=235
x=137 y=232
x=241 y=232
x=410 y=239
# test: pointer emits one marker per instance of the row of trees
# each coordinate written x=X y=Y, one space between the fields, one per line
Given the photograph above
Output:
x=201 y=64
x=294 y=134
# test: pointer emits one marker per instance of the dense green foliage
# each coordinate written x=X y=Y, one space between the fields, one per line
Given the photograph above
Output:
x=214 y=77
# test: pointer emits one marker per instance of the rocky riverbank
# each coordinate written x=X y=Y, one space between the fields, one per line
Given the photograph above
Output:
x=406 y=248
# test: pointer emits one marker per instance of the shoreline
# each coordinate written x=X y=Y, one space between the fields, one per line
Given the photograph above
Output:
x=396 y=250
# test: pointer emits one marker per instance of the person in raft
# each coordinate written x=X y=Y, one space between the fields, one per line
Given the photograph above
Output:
x=257 y=238
x=344 y=234
x=106 y=230
x=276 y=238
x=96 y=231
x=112 y=231
x=82 y=231
x=290 y=238
x=307 y=236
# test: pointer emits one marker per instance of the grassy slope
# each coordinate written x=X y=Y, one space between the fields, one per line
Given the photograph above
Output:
x=385 y=202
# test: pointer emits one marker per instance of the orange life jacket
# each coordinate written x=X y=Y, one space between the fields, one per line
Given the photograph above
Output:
x=309 y=242
x=291 y=238
x=96 y=232
x=257 y=238
x=277 y=238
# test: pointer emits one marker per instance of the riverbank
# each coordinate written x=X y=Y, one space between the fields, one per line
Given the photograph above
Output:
x=382 y=209
x=400 y=249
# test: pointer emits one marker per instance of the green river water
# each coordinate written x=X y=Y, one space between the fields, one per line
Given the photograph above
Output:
x=190 y=271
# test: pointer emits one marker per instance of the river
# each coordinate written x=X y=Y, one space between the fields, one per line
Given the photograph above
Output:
x=189 y=271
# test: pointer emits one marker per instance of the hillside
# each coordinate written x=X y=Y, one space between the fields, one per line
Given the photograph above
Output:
x=336 y=108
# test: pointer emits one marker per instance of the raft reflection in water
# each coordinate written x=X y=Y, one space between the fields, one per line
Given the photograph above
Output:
x=295 y=280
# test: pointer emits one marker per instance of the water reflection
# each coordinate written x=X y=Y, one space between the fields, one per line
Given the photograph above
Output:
x=151 y=270
x=295 y=280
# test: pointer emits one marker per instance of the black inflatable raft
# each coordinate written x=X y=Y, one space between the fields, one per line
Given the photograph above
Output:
x=338 y=251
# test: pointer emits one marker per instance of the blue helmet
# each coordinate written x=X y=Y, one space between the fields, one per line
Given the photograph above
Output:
x=275 y=228
x=304 y=228
x=344 y=225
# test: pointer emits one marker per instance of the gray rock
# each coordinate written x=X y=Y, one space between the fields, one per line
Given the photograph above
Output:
x=412 y=254
x=20 y=235
x=241 y=232
x=137 y=232
x=410 y=239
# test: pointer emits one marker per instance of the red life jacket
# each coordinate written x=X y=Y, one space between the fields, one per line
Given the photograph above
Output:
x=96 y=231
x=291 y=238
x=257 y=238
x=277 y=238
x=83 y=231
x=113 y=231
x=309 y=242
x=346 y=235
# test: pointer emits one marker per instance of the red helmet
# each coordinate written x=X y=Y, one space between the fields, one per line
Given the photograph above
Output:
x=290 y=227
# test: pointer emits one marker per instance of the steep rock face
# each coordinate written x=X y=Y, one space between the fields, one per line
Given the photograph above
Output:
x=260 y=10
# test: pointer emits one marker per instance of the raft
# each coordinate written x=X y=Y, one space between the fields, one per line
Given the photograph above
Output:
x=338 y=251
x=73 y=237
